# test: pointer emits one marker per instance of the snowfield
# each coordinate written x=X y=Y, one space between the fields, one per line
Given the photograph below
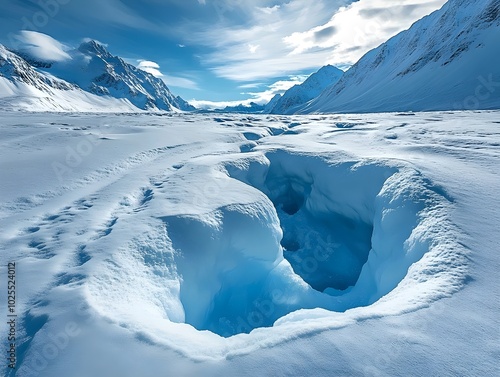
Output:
x=262 y=245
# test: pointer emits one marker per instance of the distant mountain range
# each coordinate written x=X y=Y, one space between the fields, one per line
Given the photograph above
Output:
x=251 y=108
x=295 y=97
x=89 y=79
x=292 y=100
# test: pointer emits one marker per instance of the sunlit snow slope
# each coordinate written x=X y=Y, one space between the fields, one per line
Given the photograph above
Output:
x=236 y=245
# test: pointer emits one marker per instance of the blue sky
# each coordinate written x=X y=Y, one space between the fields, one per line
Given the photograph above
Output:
x=221 y=50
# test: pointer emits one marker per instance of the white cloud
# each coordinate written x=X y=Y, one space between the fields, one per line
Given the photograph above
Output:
x=253 y=48
x=279 y=87
x=116 y=12
x=250 y=86
x=303 y=35
x=150 y=67
x=180 y=82
x=235 y=54
x=174 y=81
x=41 y=46
x=363 y=25
x=269 y=10
x=260 y=98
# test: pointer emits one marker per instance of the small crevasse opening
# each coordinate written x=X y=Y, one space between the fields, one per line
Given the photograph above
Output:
x=282 y=231
x=342 y=228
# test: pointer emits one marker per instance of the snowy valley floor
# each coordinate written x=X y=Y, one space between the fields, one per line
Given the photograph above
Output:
x=214 y=245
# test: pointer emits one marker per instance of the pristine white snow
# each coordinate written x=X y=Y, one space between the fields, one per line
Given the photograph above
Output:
x=188 y=245
x=447 y=60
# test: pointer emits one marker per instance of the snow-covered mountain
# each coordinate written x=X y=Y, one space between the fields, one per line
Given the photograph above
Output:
x=23 y=87
x=112 y=75
x=447 y=60
x=298 y=95
x=93 y=68
x=88 y=78
x=15 y=68
x=270 y=105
